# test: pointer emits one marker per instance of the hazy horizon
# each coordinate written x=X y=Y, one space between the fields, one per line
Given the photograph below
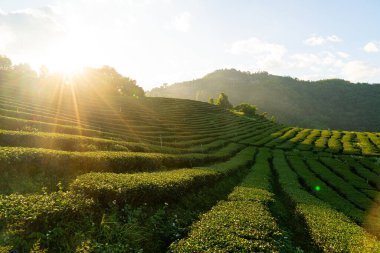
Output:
x=167 y=41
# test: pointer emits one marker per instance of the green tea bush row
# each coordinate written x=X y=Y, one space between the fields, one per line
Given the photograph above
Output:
x=344 y=188
x=88 y=130
x=69 y=142
x=349 y=144
x=343 y=170
x=156 y=186
x=60 y=217
x=62 y=163
x=95 y=114
x=375 y=139
x=307 y=144
x=301 y=135
x=322 y=142
x=57 y=217
x=334 y=143
x=226 y=135
x=265 y=136
x=282 y=135
x=330 y=230
x=134 y=125
x=143 y=187
x=362 y=171
x=323 y=191
x=366 y=146
x=371 y=164
x=8 y=123
x=246 y=211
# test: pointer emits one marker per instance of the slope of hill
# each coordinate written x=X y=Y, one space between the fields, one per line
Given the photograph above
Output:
x=335 y=104
x=81 y=171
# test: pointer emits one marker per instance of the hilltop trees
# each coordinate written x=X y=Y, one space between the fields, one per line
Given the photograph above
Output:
x=105 y=80
x=108 y=80
x=5 y=63
x=222 y=101
x=19 y=76
x=247 y=109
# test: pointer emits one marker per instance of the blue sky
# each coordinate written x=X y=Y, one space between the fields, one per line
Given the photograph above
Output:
x=164 y=41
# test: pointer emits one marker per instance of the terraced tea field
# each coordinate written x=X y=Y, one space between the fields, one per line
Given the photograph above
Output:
x=95 y=173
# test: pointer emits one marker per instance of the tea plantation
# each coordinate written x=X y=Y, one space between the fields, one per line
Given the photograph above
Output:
x=97 y=173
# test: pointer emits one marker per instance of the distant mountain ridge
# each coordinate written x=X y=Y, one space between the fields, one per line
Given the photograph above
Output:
x=332 y=103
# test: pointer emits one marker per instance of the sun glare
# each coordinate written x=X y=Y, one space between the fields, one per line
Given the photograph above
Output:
x=64 y=62
x=69 y=56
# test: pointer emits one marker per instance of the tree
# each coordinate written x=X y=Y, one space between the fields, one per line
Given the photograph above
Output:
x=264 y=115
x=223 y=102
x=247 y=109
x=23 y=76
x=128 y=87
x=5 y=63
x=107 y=80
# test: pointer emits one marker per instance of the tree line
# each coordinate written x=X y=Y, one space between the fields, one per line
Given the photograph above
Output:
x=105 y=80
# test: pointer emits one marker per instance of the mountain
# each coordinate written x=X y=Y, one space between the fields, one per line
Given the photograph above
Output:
x=332 y=103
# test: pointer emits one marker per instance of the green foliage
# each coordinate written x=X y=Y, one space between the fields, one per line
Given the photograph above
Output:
x=34 y=160
x=105 y=80
x=325 y=192
x=343 y=187
x=154 y=187
x=141 y=187
x=335 y=142
x=222 y=101
x=310 y=104
x=216 y=230
x=5 y=63
x=56 y=217
x=331 y=231
x=247 y=212
x=247 y=109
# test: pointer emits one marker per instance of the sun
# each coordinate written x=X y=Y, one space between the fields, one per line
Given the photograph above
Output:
x=65 y=66
x=70 y=55
x=65 y=61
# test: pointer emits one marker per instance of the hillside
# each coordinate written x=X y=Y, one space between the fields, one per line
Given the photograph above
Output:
x=334 y=104
x=85 y=171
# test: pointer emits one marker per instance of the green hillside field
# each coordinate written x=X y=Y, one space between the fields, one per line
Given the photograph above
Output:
x=324 y=104
x=103 y=173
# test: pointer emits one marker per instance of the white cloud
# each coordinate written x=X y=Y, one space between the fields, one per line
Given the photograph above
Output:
x=333 y=38
x=312 y=60
x=182 y=22
x=332 y=65
x=28 y=30
x=372 y=47
x=264 y=54
x=255 y=54
x=254 y=46
x=315 y=40
x=343 y=55
x=328 y=65
x=359 y=71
